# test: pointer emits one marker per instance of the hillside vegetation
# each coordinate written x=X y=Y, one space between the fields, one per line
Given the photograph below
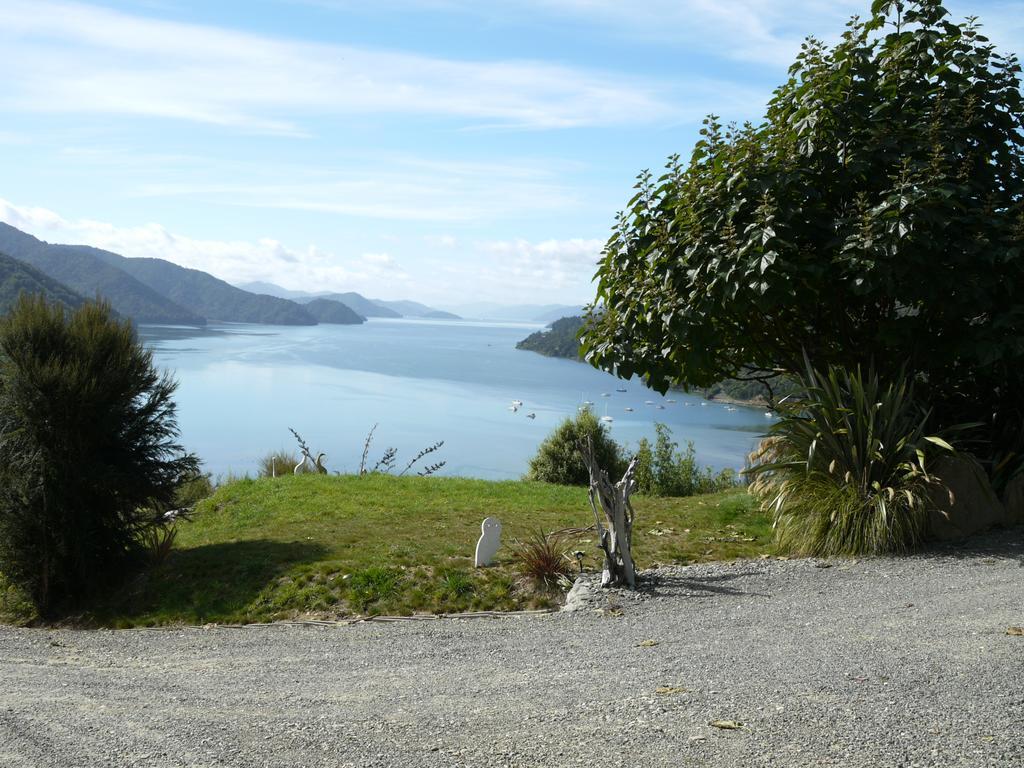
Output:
x=17 y=278
x=357 y=303
x=557 y=340
x=333 y=312
x=206 y=295
x=80 y=270
x=267 y=549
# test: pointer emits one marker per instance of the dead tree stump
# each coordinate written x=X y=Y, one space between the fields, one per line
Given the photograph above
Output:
x=615 y=534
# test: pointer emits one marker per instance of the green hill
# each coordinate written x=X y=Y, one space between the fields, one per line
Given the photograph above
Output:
x=328 y=311
x=557 y=340
x=79 y=269
x=17 y=278
x=358 y=304
x=206 y=295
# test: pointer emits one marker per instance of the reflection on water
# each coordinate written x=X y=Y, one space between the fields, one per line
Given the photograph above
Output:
x=242 y=386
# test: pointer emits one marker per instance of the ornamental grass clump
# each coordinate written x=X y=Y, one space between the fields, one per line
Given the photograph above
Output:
x=542 y=560
x=845 y=470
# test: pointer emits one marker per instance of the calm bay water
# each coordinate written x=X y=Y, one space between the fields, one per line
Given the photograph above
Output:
x=242 y=386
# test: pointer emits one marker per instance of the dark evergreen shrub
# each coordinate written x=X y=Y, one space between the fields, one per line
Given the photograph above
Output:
x=88 y=450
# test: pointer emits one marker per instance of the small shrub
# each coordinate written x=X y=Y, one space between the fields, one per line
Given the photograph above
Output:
x=542 y=560
x=371 y=586
x=845 y=472
x=16 y=605
x=664 y=470
x=558 y=457
x=193 y=490
x=644 y=472
x=159 y=541
x=281 y=463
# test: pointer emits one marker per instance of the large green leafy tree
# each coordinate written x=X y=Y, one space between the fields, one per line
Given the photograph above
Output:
x=875 y=215
x=88 y=449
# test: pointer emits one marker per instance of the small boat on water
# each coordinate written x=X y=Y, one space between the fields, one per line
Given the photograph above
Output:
x=730 y=408
x=531 y=415
x=768 y=414
x=704 y=404
x=588 y=402
x=630 y=410
x=517 y=403
x=621 y=389
x=606 y=418
x=606 y=394
x=670 y=401
x=648 y=402
x=661 y=407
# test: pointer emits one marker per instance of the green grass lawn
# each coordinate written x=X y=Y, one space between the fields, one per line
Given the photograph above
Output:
x=329 y=546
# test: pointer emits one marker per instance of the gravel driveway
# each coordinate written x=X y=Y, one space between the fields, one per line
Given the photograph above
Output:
x=881 y=662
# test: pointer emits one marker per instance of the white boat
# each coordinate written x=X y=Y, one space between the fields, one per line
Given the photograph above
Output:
x=661 y=407
x=729 y=408
x=648 y=402
x=517 y=403
x=670 y=401
x=704 y=404
x=768 y=414
x=606 y=394
x=607 y=419
x=629 y=409
x=588 y=402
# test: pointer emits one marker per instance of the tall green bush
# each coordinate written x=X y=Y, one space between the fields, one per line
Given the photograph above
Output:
x=845 y=471
x=874 y=216
x=88 y=449
x=558 y=457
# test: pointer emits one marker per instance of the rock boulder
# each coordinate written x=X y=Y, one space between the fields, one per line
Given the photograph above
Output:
x=975 y=507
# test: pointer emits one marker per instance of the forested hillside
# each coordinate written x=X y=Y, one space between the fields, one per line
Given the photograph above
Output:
x=206 y=295
x=80 y=270
x=17 y=278
x=557 y=340
x=328 y=311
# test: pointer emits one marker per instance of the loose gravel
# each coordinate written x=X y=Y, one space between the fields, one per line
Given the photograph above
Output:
x=878 y=662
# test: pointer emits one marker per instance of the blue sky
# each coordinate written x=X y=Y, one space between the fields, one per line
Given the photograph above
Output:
x=442 y=150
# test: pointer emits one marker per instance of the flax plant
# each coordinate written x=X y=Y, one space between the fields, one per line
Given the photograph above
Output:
x=847 y=469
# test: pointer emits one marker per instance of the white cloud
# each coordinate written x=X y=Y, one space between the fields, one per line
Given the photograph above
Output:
x=508 y=271
x=395 y=188
x=67 y=57
x=529 y=271
x=764 y=31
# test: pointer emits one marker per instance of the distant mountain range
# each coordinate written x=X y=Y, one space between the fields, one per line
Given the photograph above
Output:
x=156 y=291
x=81 y=271
x=364 y=306
x=520 y=313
